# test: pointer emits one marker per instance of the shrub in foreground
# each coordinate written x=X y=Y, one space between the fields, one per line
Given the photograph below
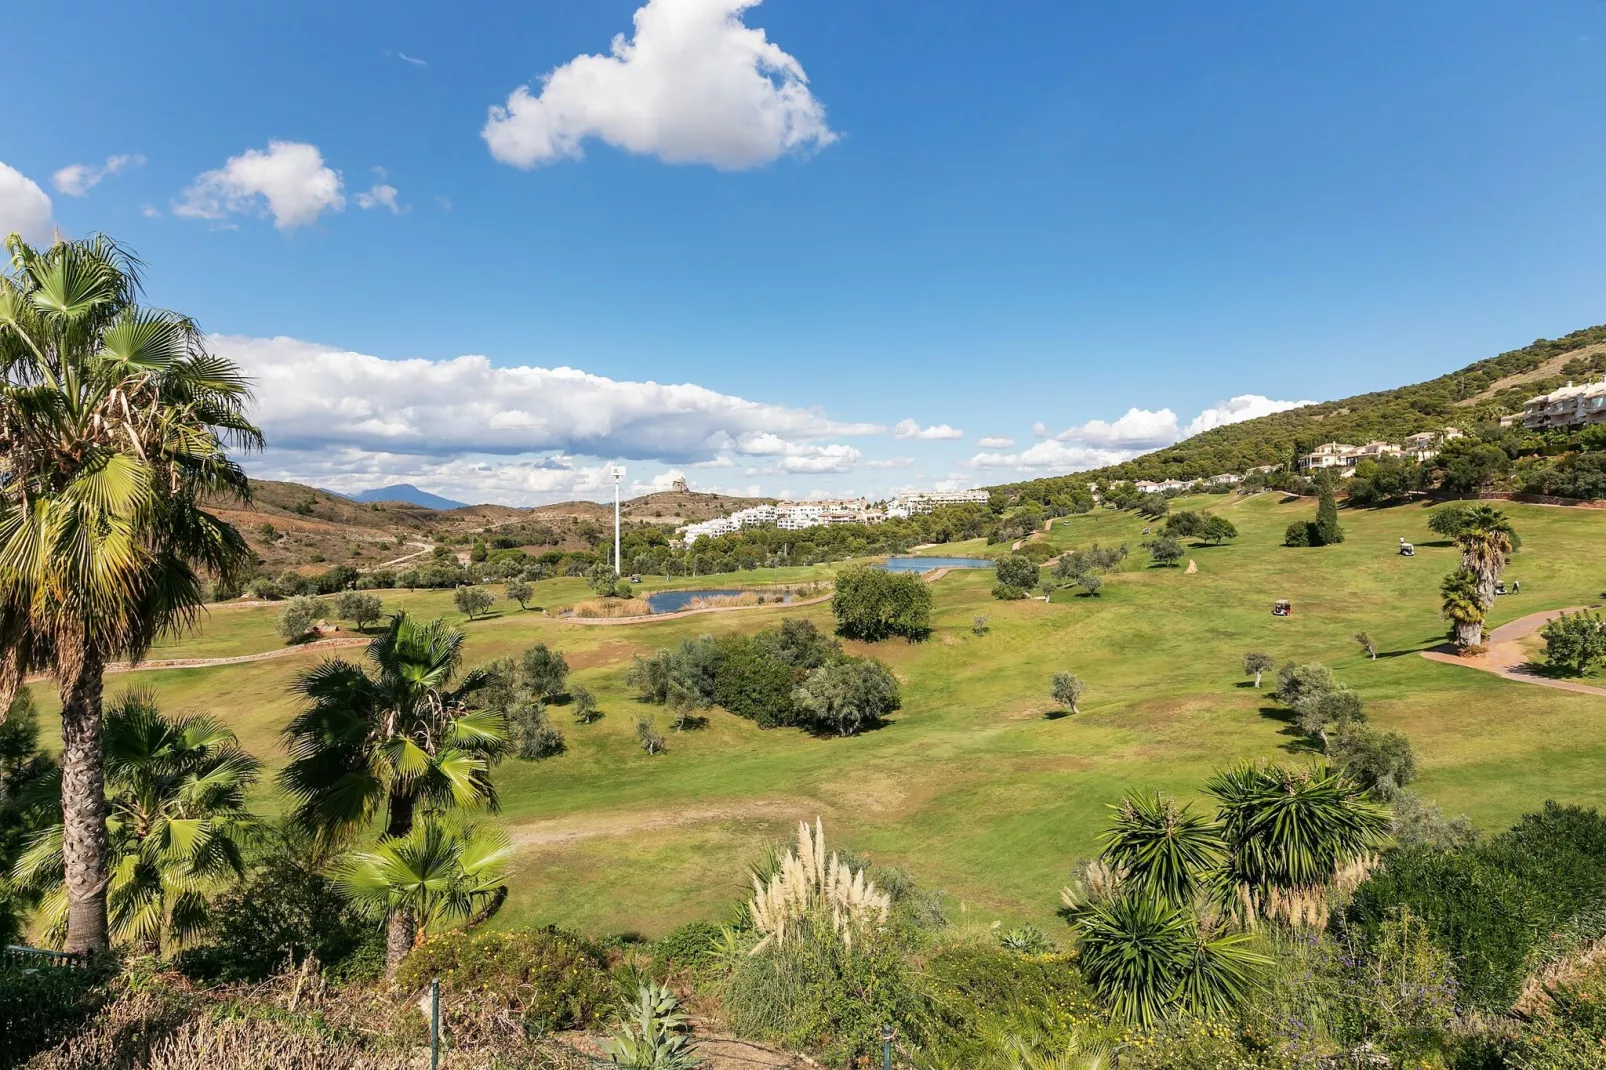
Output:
x=541 y=979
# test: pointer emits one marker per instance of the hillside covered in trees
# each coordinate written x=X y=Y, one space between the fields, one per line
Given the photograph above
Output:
x=1481 y=392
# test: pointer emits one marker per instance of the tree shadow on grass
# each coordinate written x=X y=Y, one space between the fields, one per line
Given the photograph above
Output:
x=1297 y=741
x=1056 y=715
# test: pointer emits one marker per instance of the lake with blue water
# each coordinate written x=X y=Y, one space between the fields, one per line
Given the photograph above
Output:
x=675 y=601
x=926 y=564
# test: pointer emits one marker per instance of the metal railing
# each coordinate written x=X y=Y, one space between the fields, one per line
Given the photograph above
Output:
x=23 y=957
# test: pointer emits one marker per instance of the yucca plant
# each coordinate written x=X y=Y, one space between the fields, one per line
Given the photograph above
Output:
x=179 y=824
x=1162 y=848
x=1289 y=834
x=651 y=1033
x=115 y=427
x=1149 y=959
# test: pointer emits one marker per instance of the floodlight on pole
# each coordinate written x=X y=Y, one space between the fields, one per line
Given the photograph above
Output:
x=618 y=474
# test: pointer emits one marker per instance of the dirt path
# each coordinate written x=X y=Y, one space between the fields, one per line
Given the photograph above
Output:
x=156 y=664
x=424 y=548
x=1506 y=657
x=558 y=831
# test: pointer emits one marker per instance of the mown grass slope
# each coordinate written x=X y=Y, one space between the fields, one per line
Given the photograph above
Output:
x=971 y=787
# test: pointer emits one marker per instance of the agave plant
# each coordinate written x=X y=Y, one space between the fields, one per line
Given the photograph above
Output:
x=1026 y=940
x=651 y=1033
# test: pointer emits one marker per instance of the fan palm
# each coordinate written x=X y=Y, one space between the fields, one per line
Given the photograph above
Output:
x=1288 y=834
x=114 y=426
x=1160 y=847
x=1485 y=539
x=385 y=742
x=177 y=790
x=1463 y=607
x=434 y=875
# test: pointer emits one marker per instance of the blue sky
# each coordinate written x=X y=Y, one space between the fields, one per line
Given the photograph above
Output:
x=1081 y=227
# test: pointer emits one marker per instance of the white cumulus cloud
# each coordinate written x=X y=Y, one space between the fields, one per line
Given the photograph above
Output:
x=693 y=85
x=1103 y=442
x=315 y=399
x=996 y=442
x=77 y=179
x=891 y=462
x=290 y=177
x=1234 y=410
x=24 y=208
x=911 y=429
x=381 y=196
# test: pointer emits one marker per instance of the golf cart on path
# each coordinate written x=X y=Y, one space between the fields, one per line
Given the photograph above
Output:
x=1282 y=608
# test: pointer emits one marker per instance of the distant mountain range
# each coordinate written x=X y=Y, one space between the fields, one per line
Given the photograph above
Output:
x=404 y=492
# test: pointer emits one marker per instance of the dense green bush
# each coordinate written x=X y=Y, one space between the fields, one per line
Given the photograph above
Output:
x=278 y=916
x=753 y=684
x=544 y=979
x=691 y=946
x=872 y=604
x=1005 y=593
x=1495 y=906
x=1018 y=570
x=1570 y=1034
x=977 y=993
x=1298 y=533
x=813 y=993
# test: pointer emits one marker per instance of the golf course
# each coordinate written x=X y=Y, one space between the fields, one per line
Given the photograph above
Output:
x=979 y=786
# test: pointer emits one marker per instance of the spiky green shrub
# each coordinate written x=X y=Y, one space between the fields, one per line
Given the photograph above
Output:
x=651 y=1033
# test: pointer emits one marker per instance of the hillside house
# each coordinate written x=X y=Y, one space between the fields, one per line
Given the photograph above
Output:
x=1224 y=479
x=1569 y=406
x=1424 y=445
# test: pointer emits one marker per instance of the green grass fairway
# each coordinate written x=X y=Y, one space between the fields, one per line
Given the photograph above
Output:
x=971 y=788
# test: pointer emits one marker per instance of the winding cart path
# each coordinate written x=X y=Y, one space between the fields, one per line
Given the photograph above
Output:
x=1506 y=657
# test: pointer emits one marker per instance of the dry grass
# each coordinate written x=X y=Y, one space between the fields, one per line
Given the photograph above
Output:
x=612 y=607
x=725 y=601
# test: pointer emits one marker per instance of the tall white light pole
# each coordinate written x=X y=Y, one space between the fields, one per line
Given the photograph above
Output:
x=618 y=474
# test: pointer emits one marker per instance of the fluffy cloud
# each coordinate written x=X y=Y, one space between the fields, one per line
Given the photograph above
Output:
x=1051 y=455
x=290 y=177
x=891 y=462
x=996 y=442
x=315 y=398
x=694 y=85
x=76 y=179
x=1234 y=410
x=381 y=196
x=1138 y=428
x=1101 y=442
x=910 y=429
x=24 y=207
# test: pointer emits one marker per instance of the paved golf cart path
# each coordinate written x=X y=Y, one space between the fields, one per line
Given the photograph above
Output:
x=1506 y=658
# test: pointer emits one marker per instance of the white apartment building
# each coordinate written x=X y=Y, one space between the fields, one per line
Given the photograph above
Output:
x=907 y=505
x=788 y=516
x=1225 y=479
x=1570 y=406
x=1424 y=445
x=1149 y=486
x=1343 y=457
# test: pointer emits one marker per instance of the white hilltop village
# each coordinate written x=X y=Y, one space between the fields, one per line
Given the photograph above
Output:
x=792 y=516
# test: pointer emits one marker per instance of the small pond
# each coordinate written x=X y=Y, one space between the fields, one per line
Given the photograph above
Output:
x=926 y=564
x=675 y=601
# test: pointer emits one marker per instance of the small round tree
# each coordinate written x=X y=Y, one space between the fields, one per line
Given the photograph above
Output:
x=472 y=601
x=519 y=591
x=359 y=607
x=1166 y=550
x=298 y=617
x=1069 y=690
x=1257 y=663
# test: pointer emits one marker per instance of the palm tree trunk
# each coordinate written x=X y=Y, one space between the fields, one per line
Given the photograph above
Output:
x=401 y=927
x=1468 y=633
x=79 y=672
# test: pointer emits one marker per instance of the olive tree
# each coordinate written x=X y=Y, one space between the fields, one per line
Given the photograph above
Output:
x=845 y=696
x=1257 y=663
x=519 y=591
x=1165 y=550
x=1069 y=690
x=1367 y=644
x=298 y=617
x=359 y=607
x=472 y=601
x=1018 y=571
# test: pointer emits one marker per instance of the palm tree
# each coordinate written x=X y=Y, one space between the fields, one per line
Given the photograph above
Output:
x=1485 y=539
x=1289 y=834
x=433 y=875
x=1463 y=607
x=386 y=742
x=114 y=427
x=177 y=791
x=1161 y=848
